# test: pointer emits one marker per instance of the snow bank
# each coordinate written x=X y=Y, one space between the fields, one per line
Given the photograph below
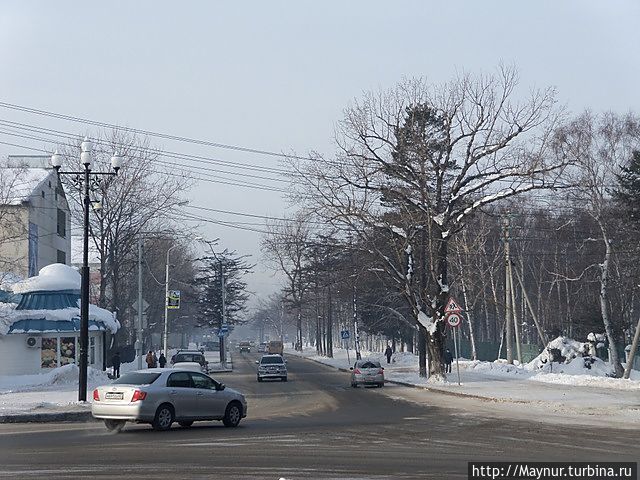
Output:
x=65 y=375
x=52 y=277
x=567 y=348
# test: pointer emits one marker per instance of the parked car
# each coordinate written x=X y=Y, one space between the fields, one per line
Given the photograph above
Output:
x=191 y=366
x=244 y=347
x=163 y=396
x=262 y=347
x=272 y=366
x=190 y=356
x=367 y=372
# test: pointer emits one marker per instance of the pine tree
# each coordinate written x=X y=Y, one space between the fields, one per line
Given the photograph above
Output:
x=627 y=193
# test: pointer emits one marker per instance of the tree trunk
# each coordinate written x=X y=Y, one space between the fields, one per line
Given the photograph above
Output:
x=604 y=283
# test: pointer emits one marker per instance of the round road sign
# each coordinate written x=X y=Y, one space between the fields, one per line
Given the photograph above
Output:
x=454 y=319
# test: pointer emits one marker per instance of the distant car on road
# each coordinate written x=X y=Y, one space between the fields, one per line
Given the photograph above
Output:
x=190 y=356
x=262 y=347
x=367 y=372
x=244 y=347
x=272 y=366
x=275 y=347
x=163 y=396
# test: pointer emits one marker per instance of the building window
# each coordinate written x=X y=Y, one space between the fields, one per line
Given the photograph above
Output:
x=42 y=193
x=62 y=223
x=62 y=257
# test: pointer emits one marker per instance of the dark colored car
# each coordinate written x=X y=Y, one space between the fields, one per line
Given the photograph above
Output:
x=244 y=347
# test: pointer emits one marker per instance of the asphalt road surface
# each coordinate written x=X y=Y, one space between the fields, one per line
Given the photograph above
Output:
x=314 y=426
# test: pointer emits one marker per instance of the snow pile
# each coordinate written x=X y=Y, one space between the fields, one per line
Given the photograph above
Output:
x=65 y=375
x=52 y=277
x=559 y=350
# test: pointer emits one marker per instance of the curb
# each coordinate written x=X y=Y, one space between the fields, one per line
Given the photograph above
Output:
x=49 y=417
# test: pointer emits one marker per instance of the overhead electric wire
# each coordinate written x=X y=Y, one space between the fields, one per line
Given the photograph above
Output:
x=101 y=142
x=71 y=118
x=179 y=155
x=210 y=179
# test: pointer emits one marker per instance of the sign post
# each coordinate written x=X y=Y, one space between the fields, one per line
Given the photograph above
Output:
x=454 y=320
x=345 y=335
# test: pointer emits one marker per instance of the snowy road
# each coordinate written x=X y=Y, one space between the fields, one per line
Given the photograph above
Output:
x=313 y=426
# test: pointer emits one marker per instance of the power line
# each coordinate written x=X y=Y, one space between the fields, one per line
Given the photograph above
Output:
x=150 y=133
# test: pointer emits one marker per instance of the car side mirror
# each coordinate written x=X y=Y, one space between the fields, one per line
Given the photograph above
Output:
x=257 y=362
x=220 y=387
x=381 y=368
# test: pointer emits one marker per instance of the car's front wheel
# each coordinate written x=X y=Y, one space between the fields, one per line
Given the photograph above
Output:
x=259 y=379
x=164 y=417
x=233 y=415
x=114 y=426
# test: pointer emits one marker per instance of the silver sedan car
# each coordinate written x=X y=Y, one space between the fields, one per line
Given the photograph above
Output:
x=367 y=372
x=162 y=396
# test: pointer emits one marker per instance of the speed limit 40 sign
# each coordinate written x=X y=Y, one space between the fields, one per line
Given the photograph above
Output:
x=454 y=320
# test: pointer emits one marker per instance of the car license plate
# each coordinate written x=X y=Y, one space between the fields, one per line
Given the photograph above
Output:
x=114 y=396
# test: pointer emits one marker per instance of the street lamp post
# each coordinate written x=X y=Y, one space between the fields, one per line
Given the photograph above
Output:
x=166 y=303
x=86 y=159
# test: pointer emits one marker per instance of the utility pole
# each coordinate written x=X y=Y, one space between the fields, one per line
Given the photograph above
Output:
x=507 y=289
x=356 y=333
x=139 y=345
x=223 y=319
x=514 y=311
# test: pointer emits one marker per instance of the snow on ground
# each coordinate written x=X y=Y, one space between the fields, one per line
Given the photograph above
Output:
x=57 y=390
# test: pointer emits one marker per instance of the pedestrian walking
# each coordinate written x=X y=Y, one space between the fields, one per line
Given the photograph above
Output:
x=162 y=360
x=155 y=360
x=115 y=363
x=149 y=359
x=388 y=352
x=448 y=360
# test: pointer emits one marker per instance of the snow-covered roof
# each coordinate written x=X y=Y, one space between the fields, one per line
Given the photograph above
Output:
x=22 y=182
x=54 y=277
x=61 y=284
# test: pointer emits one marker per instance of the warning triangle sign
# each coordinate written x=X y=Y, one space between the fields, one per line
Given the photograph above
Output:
x=452 y=306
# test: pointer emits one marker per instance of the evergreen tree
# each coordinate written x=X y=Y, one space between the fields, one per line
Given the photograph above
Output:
x=233 y=268
x=627 y=193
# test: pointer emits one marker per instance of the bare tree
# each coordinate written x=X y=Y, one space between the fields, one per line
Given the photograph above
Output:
x=598 y=147
x=13 y=226
x=142 y=198
x=419 y=161
x=285 y=246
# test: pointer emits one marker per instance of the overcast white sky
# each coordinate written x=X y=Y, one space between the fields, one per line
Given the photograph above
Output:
x=276 y=75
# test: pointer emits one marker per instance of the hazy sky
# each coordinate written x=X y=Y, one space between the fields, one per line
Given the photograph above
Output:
x=276 y=75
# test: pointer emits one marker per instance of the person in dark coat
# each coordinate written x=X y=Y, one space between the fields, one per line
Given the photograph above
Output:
x=115 y=362
x=388 y=352
x=448 y=360
x=149 y=359
x=162 y=360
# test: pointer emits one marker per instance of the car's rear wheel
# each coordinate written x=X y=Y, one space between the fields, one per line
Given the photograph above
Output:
x=259 y=379
x=164 y=417
x=284 y=379
x=114 y=426
x=186 y=424
x=233 y=415
x=380 y=385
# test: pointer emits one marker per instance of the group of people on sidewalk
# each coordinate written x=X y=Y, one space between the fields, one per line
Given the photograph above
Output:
x=151 y=360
